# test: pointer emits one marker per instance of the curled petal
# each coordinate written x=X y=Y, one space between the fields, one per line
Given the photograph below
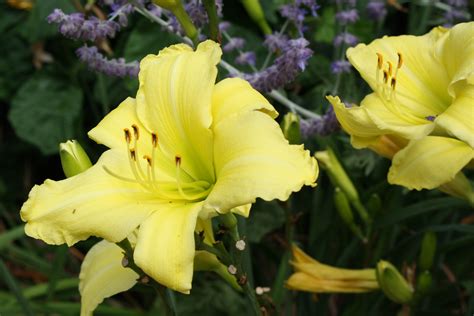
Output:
x=429 y=162
x=102 y=275
x=253 y=159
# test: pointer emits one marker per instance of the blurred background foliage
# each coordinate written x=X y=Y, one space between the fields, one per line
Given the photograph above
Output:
x=47 y=96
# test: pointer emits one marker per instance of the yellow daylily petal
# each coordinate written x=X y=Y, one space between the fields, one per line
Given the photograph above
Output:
x=303 y=282
x=458 y=119
x=429 y=162
x=356 y=122
x=243 y=210
x=456 y=51
x=92 y=203
x=234 y=96
x=110 y=131
x=165 y=245
x=420 y=82
x=395 y=123
x=102 y=275
x=253 y=159
x=174 y=101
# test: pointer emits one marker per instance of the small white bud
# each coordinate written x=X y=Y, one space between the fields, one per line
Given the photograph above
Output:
x=232 y=269
x=240 y=244
x=261 y=290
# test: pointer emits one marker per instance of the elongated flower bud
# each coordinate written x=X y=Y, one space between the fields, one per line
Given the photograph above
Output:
x=74 y=159
x=167 y=4
x=423 y=283
x=393 y=284
x=205 y=261
x=339 y=178
x=291 y=128
x=459 y=187
x=344 y=209
x=428 y=250
x=254 y=9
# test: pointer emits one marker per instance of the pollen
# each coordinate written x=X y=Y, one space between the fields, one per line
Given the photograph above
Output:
x=385 y=76
x=154 y=140
x=136 y=131
x=390 y=68
x=133 y=154
x=393 y=83
x=177 y=160
x=379 y=60
x=148 y=160
x=400 y=60
x=128 y=137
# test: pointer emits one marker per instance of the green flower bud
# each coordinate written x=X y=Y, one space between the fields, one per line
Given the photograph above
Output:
x=344 y=209
x=177 y=8
x=74 y=159
x=339 y=178
x=291 y=128
x=254 y=10
x=423 y=283
x=428 y=251
x=393 y=284
x=205 y=261
x=167 y=4
x=374 y=204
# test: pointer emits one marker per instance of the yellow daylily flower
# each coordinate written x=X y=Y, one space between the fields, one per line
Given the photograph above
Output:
x=184 y=149
x=312 y=276
x=421 y=111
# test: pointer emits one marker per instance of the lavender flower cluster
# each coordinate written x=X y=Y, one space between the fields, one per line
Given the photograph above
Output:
x=76 y=26
x=111 y=67
x=457 y=12
x=297 y=12
x=323 y=126
x=293 y=59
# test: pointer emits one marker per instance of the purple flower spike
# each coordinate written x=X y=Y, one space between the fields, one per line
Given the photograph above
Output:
x=345 y=38
x=347 y=16
x=287 y=66
x=340 y=66
x=323 y=126
x=233 y=44
x=75 y=26
x=275 y=42
x=111 y=67
x=246 y=58
x=376 y=10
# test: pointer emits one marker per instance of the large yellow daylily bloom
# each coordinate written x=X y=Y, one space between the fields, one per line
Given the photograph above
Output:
x=313 y=276
x=421 y=112
x=185 y=148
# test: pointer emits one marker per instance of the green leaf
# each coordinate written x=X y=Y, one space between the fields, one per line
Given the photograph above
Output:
x=10 y=235
x=417 y=209
x=264 y=218
x=44 y=112
x=15 y=289
x=326 y=27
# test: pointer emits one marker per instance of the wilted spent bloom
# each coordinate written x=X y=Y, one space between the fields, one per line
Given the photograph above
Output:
x=421 y=111
x=312 y=276
x=186 y=149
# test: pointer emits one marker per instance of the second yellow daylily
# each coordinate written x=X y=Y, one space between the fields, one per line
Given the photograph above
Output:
x=184 y=149
x=421 y=112
x=313 y=276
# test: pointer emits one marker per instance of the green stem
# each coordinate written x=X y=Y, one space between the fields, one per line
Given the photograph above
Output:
x=164 y=293
x=185 y=21
x=211 y=10
x=249 y=291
